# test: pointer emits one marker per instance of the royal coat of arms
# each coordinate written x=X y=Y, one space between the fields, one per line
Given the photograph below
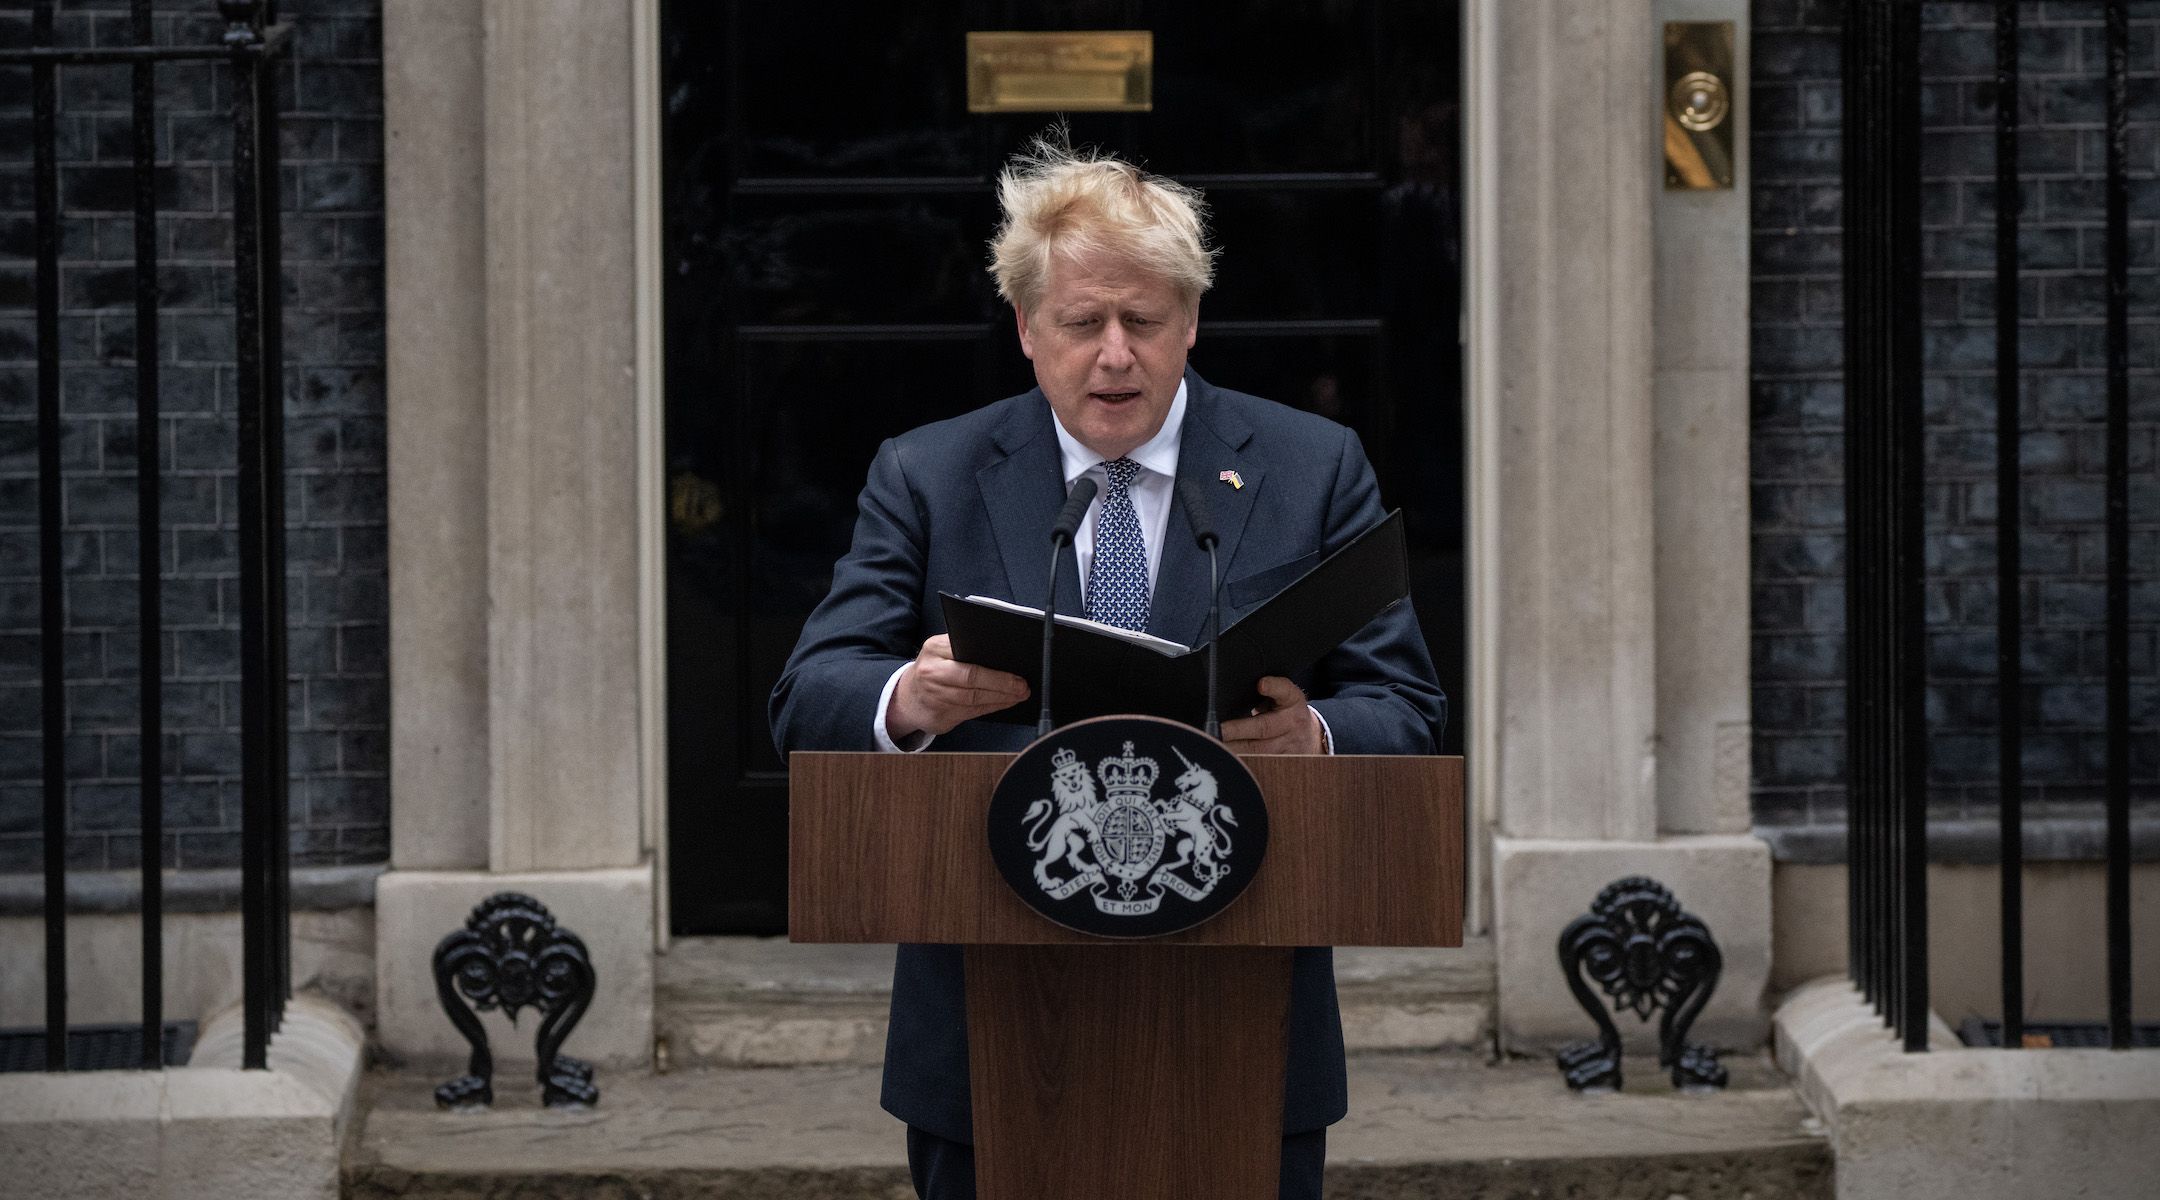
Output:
x=1111 y=841
x=1122 y=831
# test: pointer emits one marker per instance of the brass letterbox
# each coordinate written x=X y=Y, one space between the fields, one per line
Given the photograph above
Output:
x=1061 y=72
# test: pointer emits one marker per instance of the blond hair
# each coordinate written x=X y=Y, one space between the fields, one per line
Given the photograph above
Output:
x=1058 y=200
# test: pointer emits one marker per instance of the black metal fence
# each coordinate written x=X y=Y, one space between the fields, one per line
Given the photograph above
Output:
x=1886 y=668
x=252 y=39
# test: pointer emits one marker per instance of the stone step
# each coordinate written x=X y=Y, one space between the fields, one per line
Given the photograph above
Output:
x=1396 y=1000
x=1420 y=1125
x=766 y=1002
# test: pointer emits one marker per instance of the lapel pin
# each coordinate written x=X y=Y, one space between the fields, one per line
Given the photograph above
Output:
x=1232 y=478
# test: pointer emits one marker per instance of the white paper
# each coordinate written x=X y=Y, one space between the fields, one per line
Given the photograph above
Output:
x=1162 y=646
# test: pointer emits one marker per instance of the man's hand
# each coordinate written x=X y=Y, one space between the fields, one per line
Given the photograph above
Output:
x=1288 y=728
x=937 y=693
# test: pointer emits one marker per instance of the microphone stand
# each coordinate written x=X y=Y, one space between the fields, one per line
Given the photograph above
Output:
x=1043 y=724
x=1205 y=537
x=1061 y=536
x=1212 y=725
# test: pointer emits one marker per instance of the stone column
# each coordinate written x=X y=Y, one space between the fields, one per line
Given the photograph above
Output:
x=562 y=418
x=436 y=266
x=1578 y=685
x=513 y=493
x=1700 y=387
x=1594 y=709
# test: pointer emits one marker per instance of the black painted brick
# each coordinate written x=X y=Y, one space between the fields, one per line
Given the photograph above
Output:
x=332 y=195
x=1797 y=455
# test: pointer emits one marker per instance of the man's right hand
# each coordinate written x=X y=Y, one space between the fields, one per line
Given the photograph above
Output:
x=936 y=692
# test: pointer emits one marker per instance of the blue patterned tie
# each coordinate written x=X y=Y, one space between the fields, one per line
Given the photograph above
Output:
x=1118 y=582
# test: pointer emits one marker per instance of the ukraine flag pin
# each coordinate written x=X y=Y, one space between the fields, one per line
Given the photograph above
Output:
x=1231 y=478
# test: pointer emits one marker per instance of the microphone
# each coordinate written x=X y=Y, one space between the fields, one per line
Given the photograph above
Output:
x=1069 y=517
x=1205 y=537
x=1061 y=536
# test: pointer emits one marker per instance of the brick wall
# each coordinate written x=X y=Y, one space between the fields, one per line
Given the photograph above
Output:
x=331 y=95
x=1797 y=400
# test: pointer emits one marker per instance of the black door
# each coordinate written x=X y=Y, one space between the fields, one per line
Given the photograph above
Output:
x=828 y=203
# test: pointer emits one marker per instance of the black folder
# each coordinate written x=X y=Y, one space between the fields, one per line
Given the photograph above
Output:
x=1097 y=671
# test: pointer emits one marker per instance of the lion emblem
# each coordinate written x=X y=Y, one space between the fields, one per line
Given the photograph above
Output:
x=1068 y=835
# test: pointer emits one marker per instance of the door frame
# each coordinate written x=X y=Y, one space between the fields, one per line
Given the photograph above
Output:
x=650 y=369
x=1481 y=449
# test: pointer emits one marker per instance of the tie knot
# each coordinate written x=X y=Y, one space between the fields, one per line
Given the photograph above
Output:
x=1121 y=471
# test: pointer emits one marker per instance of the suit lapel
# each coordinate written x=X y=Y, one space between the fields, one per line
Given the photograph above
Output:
x=1023 y=492
x=1213 y=441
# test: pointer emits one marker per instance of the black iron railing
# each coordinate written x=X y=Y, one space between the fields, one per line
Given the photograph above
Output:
x=2118 y=523
x=1886 y=674
x=1885 y=613
x=2009 y=548
x=252 y=40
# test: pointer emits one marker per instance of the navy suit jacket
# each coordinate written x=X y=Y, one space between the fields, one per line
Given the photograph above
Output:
x=965 y=506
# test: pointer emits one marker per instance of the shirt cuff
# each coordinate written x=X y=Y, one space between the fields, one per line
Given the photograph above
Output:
x=1327 y=736
x=913 y=742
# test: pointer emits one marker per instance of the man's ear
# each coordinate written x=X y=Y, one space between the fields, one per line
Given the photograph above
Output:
x=1027 y=344
x=1192 y=326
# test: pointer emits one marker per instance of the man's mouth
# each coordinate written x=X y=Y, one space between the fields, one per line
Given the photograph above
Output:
x=1114 y=397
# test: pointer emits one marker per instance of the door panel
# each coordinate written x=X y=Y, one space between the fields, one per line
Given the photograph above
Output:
x=828 y=205
x=808 y=258
x=1338 y=274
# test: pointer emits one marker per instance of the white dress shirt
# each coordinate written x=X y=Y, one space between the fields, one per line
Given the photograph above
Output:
x=1150 y=490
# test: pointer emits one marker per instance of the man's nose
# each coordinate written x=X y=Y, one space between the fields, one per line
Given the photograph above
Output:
x=1116 y=352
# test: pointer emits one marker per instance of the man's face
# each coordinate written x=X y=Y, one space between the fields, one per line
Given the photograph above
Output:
x=1108 y=341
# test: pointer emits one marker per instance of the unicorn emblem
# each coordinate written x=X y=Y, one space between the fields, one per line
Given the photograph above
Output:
x=1197 y=822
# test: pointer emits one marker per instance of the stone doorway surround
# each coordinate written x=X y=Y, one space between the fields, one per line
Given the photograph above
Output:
x=1607 y=393
x=519 y=159
x=1608 y=397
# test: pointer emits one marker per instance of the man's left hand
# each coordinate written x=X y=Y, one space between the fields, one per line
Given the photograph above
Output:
x=1288 y=728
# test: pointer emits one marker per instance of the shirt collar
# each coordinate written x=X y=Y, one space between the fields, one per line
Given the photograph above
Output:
x=1158 y=454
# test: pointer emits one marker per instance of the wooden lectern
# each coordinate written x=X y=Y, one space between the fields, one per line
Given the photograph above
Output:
x=1110 y=1068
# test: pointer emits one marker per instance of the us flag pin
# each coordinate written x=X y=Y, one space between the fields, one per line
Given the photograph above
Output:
x=1232 y=478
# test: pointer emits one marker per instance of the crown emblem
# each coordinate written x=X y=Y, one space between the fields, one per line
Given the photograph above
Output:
x=1067 y=766
x=1127 y=777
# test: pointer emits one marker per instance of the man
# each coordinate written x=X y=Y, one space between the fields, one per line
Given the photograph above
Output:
x=1104 y=266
